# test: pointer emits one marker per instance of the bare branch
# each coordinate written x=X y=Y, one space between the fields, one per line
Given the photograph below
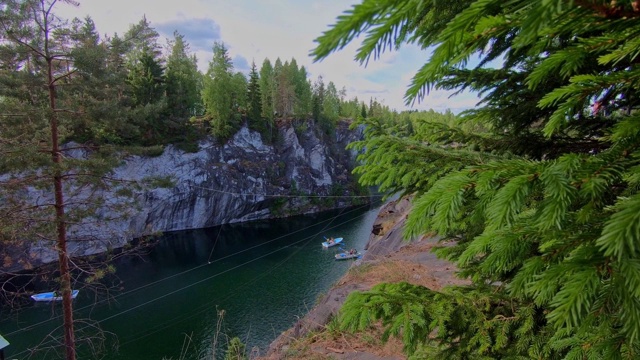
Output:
x=19 y=41
x=64 y=75
x=61 y=56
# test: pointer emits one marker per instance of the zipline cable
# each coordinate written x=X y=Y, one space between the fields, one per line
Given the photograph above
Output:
x=171 y=276
x=309 y=238
x=30 y=327
x=287 y=196
x=205 y=307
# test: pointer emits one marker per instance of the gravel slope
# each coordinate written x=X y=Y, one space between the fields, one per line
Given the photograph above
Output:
x=388 y=258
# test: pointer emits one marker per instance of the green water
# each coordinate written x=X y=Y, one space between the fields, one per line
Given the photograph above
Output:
x=166 y=304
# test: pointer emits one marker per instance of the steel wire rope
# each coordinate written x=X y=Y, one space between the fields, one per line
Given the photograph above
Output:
x=264 y=274
x=205 y=307
x=172 y=276
x=309 y=238
x=171 y=293
x=214 y=244
x=288 y=196
x=218 y=274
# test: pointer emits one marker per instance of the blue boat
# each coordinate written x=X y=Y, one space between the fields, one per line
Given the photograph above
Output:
x=52 y=296
x=332 y=242
x=347 y=255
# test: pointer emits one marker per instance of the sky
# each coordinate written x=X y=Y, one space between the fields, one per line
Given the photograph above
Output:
x=253 y=30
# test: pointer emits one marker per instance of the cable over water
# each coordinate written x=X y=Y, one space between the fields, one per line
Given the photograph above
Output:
x=262 y=274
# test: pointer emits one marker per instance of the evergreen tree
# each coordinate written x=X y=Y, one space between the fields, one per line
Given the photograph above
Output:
x=280 y=90
x=331 y=103
x=96 y=87
x=303 y=92
x=343 y=108
x=376 y=109
x=116 y=51
x=320 y=105
x=318 y=100
x=141 y=37
x=50 y=82
x=182 y=81
x=267 y=89
x=146 y=83
x=349 y=109
x=146 y=79
x=543 y=201
x=146 y=90
x=85 y=34
x=36 y=51
x=238 y=89
x=285 y=95
x=116 y=65
x=220 y=103
x=254 y=110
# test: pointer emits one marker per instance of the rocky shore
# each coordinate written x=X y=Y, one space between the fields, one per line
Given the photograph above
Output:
x=388 y=258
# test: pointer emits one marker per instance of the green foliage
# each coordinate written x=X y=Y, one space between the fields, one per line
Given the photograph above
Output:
x=467 y=322
x=331 y=103
x=538 y=185
x=141 y=37
x=277 y=206
x=254 y=111
x=267 y=89
x=291 y=90
x=54 y=88
x=183 y=81
x=156 y=182
x=267 y=92
x=146 y=79
x=301 y=127
x=325 y=106
x=302 y=89
x=236 y=350
x=221 y=94
x=318 y=100
x=150 y=151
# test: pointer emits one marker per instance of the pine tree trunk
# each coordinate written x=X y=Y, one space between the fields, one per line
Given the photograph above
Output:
x=63 y=257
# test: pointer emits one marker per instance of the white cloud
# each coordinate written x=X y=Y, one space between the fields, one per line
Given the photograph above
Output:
x=200 y=32
x=255 y=30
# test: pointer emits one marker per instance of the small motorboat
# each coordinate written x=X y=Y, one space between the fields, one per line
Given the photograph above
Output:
x=348 y=255
x=331 y=242
x=52 y=296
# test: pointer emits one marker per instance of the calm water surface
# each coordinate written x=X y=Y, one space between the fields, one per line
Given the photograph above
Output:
x=262 y=275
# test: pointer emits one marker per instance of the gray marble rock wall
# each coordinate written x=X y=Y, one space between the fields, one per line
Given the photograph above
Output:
x=235 y=182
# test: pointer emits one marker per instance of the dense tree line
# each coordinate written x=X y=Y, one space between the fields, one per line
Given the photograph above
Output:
x=278 y=91
x=537 y=188
x=144 y=93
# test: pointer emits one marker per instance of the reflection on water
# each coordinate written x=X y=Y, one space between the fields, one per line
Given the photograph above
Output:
x=263 y=276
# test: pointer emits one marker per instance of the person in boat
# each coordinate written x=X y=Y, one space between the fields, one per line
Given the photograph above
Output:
x=330 y=240
x=352 y=251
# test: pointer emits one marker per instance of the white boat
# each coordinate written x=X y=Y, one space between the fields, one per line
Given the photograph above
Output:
x=330 y=243
x=347 y=255
x=52 y=296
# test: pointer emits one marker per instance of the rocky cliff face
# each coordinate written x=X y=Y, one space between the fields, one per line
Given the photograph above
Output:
x=244 y=179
